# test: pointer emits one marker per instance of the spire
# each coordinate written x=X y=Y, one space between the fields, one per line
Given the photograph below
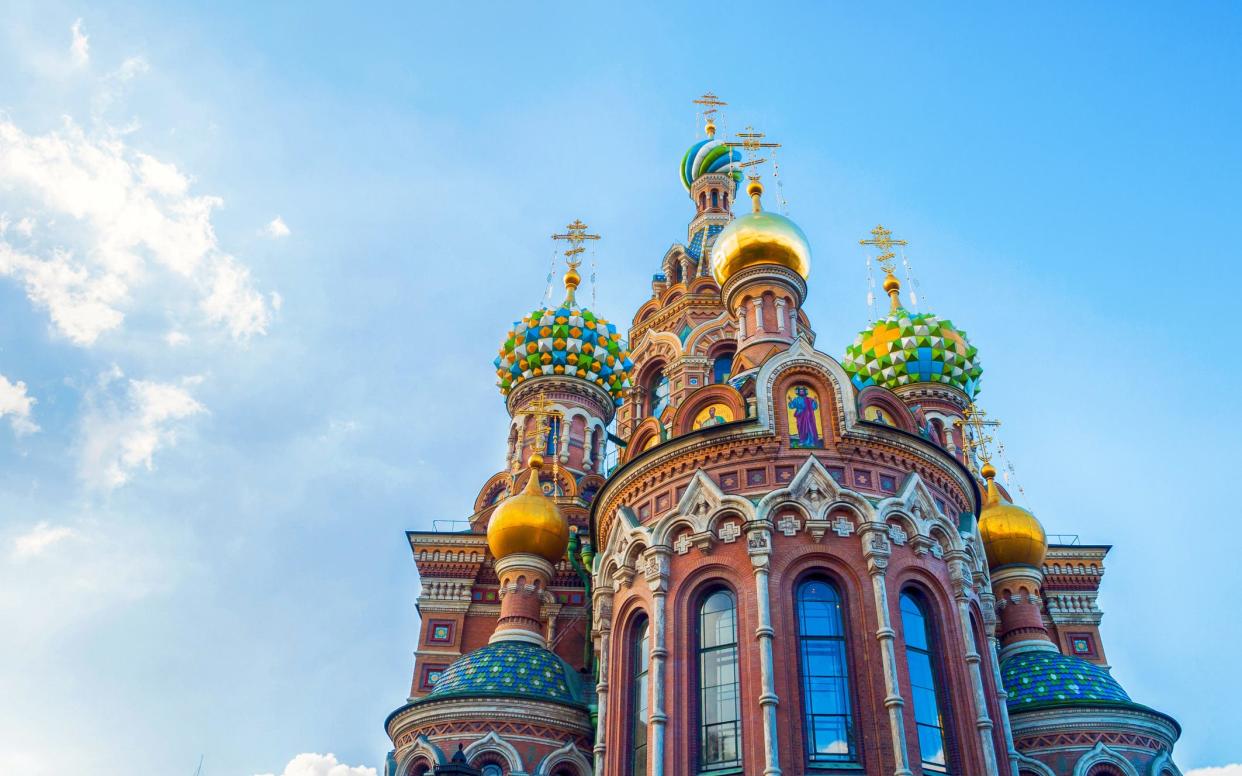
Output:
x=883 y=239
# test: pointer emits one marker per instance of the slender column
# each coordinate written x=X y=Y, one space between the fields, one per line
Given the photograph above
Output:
x=780 y=315
x=877 y=550
x=960 y=573
x=656 y=571
x=759 y=545
x=793 y=321
x=603 y=632
x=1002 y=698
x=741 y=323
x=758 y=303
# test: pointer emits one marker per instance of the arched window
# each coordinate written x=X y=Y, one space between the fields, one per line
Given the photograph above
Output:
x=924 y=684
x=722 y=367
x=657 y=397
x=702 y=200
x=639 y=659
x=552 y=442
x=715 y=199
x=828 y=723
x=492 y=769
x=720 y=728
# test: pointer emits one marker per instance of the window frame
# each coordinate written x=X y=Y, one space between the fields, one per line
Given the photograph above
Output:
x=638 y=713
x=701 y=766
x=935 y=661
x=812 y=758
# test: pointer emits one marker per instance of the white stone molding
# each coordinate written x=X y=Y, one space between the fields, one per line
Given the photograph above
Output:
x=1102 y=754
x=758 y=304
x=876 y=550
x=759 y=546
x=566 y=754
x=422 y=747
x=1030 y=764
x=494 y=744
x=1163 y=765
x=780 y=315
x=741 y=322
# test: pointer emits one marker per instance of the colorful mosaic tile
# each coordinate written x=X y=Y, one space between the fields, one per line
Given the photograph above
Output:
x=1047 y=677
x=904 y=348
x=510 y=668
x=564 y=341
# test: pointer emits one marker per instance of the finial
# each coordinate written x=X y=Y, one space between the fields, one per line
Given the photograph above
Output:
x=576 y=234
x=883 y=239
x=710 y=103
x=755 y=190
x=988 y=471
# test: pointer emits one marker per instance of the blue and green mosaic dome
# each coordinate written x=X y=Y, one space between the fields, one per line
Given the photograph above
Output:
x=905 y=348
x=567 y=340
x=510 y=668
x=1041 y=678
x=710 y=155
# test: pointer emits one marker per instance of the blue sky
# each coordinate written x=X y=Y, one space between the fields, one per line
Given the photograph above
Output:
x=255 y=263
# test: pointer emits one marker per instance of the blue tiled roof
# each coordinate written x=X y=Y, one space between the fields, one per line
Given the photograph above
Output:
x=510 y=668
x=1050 y=678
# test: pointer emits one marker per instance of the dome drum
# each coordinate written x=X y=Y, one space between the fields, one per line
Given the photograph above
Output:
x=766 y=273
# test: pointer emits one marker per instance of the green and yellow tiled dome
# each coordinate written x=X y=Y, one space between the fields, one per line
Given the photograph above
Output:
x=1047 y=678
x=566 y=340
x=510 y=668
x=905 y=348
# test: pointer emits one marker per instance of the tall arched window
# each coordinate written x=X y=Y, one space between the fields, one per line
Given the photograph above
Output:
x=924 y=684
x=639 y=663
x=722 y=367
x=828 y=722
x=658 y=393
x=720 y=728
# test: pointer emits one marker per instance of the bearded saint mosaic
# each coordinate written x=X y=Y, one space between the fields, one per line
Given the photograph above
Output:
x=805 y=427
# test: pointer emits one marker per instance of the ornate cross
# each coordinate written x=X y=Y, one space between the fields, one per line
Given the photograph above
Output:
x=883 y=239
x=710 y=103
x=682 y=545
x=789 y=525
x=751 y=142
x=975 y=439
x=842 y=527
x=575 y=235
x=729 y=532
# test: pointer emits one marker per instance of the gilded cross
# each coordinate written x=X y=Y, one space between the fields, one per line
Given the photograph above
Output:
x=975 y=438
x=711 y=103
x=883 y=239
x=575 y=235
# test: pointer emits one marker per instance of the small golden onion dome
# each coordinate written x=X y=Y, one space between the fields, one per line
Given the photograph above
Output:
x=891 y=283
x=1011 y=535
x=528 y=522
x=760 y=238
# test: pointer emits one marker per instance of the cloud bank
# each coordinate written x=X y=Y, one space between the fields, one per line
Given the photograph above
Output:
x=310 y=764
x=16 y=405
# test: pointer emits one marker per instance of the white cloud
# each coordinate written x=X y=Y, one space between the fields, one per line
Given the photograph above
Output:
x=176 y=338
x=80 y=48
x=40 y=538
x=277 y=228
x=122 y=434
x=310 y=764
x=129 y=236
x=1219 y=770
x=25 y=226
x=16 y=405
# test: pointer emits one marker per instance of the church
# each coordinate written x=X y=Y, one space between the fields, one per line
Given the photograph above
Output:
x=726 y=543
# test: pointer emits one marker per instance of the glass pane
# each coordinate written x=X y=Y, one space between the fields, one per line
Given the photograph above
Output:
x=925 y=708
x=913 y=622
x=720 y=744
x=639 y=761
x=716 y=620
x=920 y=669
x=722 y=368
x=826 y=696
x=823 y=657
x=931 y=745
x=829 y=737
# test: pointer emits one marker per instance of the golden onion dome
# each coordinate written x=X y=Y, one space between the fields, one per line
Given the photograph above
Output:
x=1011 y=535
x=760 y=238
x=528 y=522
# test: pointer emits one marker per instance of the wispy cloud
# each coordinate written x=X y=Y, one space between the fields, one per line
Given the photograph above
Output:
x=130 y=236
x=276 y=228
x=16 y=405
x=310 y=764
x=128 y=425
x=1218 y=770
x=40 y=538
x=80 y=47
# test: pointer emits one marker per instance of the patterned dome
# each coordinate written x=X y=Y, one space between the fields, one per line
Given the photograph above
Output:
x=510 y=668
x=904 y=348
x=710 y=155
x=567 y=340
x=1041 y=678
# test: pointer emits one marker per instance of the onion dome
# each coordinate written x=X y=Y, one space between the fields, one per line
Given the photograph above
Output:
x=710 y=155
x=1011 y=535
x=567 y=340
x=528 y=522
x=905 y=348
x=1045 y=677
x=759 y=238
x=510 y=668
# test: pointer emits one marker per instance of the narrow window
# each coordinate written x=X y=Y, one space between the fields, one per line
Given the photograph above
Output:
x=720 y=731
x=826 y=713
x=715 y=199
x=659 y=394
x=638 y=698
x=722 y=367
x=923 y=684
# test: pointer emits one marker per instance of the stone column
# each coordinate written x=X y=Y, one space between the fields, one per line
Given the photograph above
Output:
x=960 y=573
x=780 y=315
x=758 y=303
x=793 y=321
x=656 y=561
x=603 y=639
x=759 y=545
x=741 y=322
x=523 y=582
x=877 y=550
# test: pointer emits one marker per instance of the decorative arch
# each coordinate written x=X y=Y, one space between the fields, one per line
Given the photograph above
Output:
x=1163 y=765
x=423 y=750
x=1101 y=754
x=818 y=493
x=727 y=395
x=1029 y=766
x=648 y=433
x=874 y=395
x=569 y=754
x=497 y=745
x=801 y=358
x=704 y=284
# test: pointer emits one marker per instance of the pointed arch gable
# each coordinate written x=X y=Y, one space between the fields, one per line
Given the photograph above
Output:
x=815 y=489
x=801 y=354
x=569 y=753
x=1101 y=754
x=495 y=744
